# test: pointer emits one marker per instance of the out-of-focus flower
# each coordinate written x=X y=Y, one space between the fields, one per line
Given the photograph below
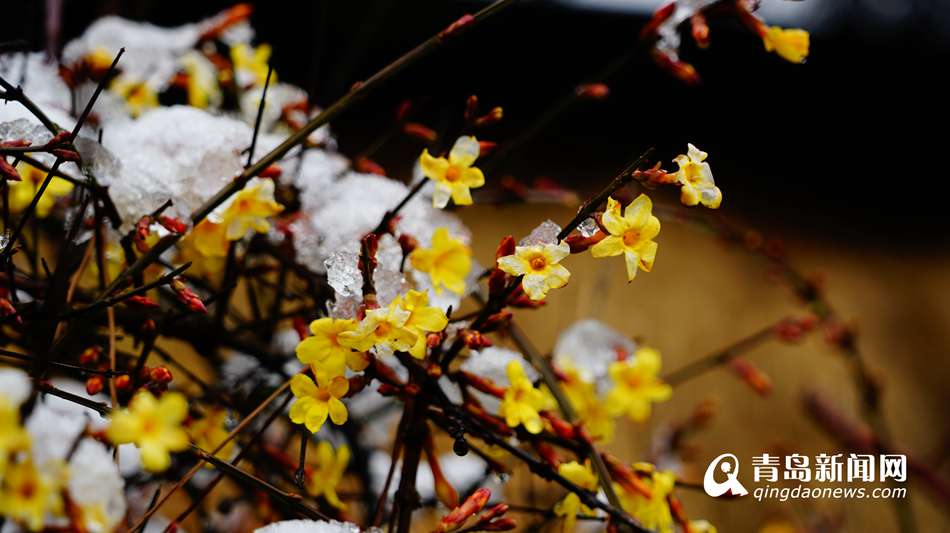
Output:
x=454 y=176
x=422 y=319
x=153 y=425
x=249 y=209
x=447 y=262
x=202 y=85
x=138 y=95
x=522 y=401
x=27 y=495
x=13 y=437
x=23 y=191
x=323 y=351
x=327 y=472
x=539 y=265
x=250 y=64
x=590 y=409
x=652 y=512
x=96 y=487
x=381 y=328
x=317 y=400
x=570 y=506
x=636 y=385
x=206 y=247
x=789 y=43
x=631 y=234
x=702 y=526
x=696 y=179
x=209 y=432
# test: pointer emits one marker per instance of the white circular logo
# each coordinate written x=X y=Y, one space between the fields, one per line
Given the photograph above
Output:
x=729 y=464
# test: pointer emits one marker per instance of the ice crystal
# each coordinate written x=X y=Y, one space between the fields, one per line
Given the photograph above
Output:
x=588 y=227
x=545 y=233
x=309 y=526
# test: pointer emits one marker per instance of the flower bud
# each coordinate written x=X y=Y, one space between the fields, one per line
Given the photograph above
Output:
x=172 y=224
x=749 y=373
x=142 y=300
x=592 y=91
x=94 y=385
x=464 y=20
x=492 y=117
x=368 y=166
x=122 y=382
x=419 y=131
x=90 y=356
x=272 y=172
x=161 y=374
x=8 y=171
x=700 y=29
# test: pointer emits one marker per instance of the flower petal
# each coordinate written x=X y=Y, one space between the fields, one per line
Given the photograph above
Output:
x=338 y=412
x=512 y=264
x=433 y=168
x=612 y=220
x=608 y=247
x=465 y=151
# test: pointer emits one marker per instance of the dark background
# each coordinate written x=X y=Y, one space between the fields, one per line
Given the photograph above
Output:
x=849 y=146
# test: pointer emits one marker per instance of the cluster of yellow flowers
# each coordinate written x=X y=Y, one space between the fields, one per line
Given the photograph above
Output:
x=631 y=233
x=31 y=178
x=338 y=344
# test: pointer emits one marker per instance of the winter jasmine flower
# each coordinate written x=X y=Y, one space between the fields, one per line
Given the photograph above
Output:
x=696 y=179
x=27 y=495
x=323 y=350
x=327 y=472
x=522 y=400
x=636 y=385
x=454 y=176
x=630 y=234
x=315 y=401
x=153 y=425
x=791 y=44
x=447 y=262
x=249 y=209
x=570 y=506
x=31 y=178
x=539 y=265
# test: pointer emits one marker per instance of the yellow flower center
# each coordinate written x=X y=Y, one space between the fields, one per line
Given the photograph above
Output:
x=28 y=489
x=383 y=329
x=453 y=173
x=538 y=262
x=149 y=426
x=634 y=380
x=631 y=237
x=323 y=395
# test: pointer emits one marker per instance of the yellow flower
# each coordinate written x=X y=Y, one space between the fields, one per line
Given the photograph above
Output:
x=636 y=385
x=207 y=249
x=791 y=44
x=454 y=176
x=327 y=473
x=139 y=97
x=571 y=506
x=590 y=409
x=317 y=400
x=153 y=425
x=323 y=350
x=381 y=328
x=13 y=438
x=99 y=59
x=250 y=65
x=447 y=262
x=22 y=192
x=202 y=85
x=631 y=234
x=522 y=401
x=696 y=180
x=249 y=209
x=28 y=495
x=422 y=319
x=539 y=265
x=653 y=513
x=209 y=432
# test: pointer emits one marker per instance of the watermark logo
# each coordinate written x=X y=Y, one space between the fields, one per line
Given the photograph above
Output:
x=729 y=464
x=799 y=476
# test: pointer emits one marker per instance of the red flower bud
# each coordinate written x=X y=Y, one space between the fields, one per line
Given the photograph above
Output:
x=492 y=117
x=142 y=300
x=90 y=356
x=592 y=91
x=94 y=385
x=459 y=515
x=471 y=107
x=414 y=129
x=7 y=309
x=700 y=30
x=560 y=426
x=403 y=110
x=66 y=155
x=474 y=339
x=161 y=374
x=123 y=382
x=482 y=384
x=141 y=233
x=368 y=166
x=188 y=297
x=172 y=224
x=485 y=147
x=271 y=172
x=464 y=20
x=505 y=247
x=8 y=171
x=502 y=524
x=408 y=243
x=749 y=373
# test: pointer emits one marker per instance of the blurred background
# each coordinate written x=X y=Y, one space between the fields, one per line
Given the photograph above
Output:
x=843 y=157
